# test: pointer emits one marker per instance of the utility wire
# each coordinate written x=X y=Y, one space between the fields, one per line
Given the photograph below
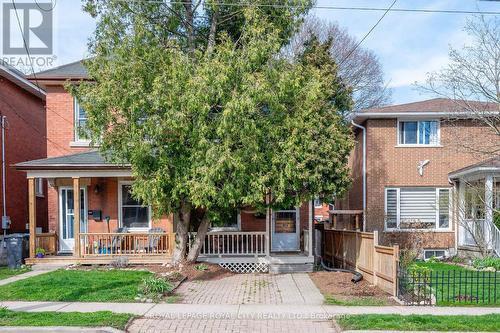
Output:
x=379 y=9
x=367 y=34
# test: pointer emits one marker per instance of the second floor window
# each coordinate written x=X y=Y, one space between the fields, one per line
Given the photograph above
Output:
x=424 y=133
x=81 y=131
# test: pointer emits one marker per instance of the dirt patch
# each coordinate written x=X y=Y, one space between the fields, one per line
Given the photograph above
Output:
x=339 y=286
x=192 y=271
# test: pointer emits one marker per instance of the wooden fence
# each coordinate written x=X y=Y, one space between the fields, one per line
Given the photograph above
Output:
x=360 y=251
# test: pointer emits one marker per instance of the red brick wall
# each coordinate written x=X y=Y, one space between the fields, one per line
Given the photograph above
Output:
x=24 y=141
x=106 y=200
x=388 y=165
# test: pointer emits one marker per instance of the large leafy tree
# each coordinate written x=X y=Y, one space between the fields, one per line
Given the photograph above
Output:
x=197 y=99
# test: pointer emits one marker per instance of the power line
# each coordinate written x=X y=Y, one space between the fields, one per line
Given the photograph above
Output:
x=379 y=9
x=46 y=3
x=367 y=34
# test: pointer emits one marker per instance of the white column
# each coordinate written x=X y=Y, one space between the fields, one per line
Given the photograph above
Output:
x=488 y=208
x=268 y=226
x=311 y=230
x=461 y=213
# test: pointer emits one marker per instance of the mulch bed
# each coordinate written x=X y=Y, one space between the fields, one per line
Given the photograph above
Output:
x=339 y=286
x=212 y=271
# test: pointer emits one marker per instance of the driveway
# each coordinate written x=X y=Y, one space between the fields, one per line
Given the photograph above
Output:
x=294 y=289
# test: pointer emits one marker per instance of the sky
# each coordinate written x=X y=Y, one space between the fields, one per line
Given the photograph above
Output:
x=409 y=45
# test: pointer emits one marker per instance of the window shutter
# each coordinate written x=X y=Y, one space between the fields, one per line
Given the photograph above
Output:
x=417 y=208
x=391 y=208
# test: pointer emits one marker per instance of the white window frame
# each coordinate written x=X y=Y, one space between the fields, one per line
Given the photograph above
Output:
x=446 y=253
x=398 y=209
x=39 y=187
x=223 y=229
x=398 y=139
x=76 y=118
x=316 y=200
x=120 y=208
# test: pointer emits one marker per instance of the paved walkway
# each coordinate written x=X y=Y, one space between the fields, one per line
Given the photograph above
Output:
x=35 y=270
x=252 y=289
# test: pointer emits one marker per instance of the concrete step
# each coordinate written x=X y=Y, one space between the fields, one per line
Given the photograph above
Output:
x=275 y=268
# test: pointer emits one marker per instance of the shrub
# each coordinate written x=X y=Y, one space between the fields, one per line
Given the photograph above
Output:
x=40 y=250
x=154 y=287
x=487 y=262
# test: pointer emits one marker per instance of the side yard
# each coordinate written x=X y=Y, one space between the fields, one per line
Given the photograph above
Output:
x=6 y=272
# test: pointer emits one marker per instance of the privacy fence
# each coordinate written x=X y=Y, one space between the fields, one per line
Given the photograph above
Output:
x=360 y=251
x=450 y=287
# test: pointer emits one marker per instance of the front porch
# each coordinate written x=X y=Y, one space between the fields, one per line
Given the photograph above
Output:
x=93 y=219
x=478 y=207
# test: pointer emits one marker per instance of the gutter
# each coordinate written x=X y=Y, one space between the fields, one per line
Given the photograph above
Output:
x=364 y=172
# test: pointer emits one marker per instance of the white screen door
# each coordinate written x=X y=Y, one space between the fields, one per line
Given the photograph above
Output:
x=67 y=218
x=285 y=230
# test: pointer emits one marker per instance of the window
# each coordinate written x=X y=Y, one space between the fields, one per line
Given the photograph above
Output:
x=428 y=254
x=132 y=213
x=81 y=131
x=229 y=221
x=417 y=208
x=419 y=133
x=39 y=187
x=317 y=202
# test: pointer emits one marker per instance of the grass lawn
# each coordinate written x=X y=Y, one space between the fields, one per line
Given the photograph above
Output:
x=90 y=319
x=76 y=285
x=358 y=301
x=6 y=272
x=457 y=285
x=486 y=323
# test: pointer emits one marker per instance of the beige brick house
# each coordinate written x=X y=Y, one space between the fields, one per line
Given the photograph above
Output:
x=412 y=188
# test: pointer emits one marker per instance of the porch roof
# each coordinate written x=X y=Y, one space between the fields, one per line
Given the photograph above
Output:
x=491 y=165
x=90 y=160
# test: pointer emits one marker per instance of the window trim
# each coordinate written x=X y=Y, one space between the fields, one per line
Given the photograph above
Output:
x=317 y=198
x=398 y=209
x=398 y=130
x=77 y=140
x=446 y=253
x=228 y=229
x=120 y=208
x=39 y=187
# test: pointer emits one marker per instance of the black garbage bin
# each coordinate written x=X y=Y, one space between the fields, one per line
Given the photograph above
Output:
x=14 y=250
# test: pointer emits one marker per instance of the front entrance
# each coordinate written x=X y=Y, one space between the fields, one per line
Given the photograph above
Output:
x=285 y=231
x=67 y=218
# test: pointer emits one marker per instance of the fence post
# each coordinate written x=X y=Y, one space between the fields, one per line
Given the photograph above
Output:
x=395 y=265
x=375 y=257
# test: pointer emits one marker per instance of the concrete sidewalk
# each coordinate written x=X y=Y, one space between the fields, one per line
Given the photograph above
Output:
x=243 y=311
x=35 y=270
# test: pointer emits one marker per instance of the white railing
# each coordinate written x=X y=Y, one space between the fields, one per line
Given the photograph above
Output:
x=234 y=243
x=481 y=232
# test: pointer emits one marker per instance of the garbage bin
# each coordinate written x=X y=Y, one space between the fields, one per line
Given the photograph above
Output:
x=14 y=250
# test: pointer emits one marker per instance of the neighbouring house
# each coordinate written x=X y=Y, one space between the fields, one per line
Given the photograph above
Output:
x=22 y=108
x=93 y=218
x=417 y=173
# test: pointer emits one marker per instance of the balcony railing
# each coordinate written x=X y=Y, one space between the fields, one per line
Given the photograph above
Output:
x=47 y=241
x=127 y=244
x=234 y=243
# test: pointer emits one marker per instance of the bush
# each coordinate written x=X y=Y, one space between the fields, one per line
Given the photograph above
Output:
x=201 y=267
x=487 y=262
x=154 y=287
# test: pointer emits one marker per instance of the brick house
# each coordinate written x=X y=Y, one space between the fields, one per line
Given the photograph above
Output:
x=22 y=105
x=413 y=182
x=84 y=187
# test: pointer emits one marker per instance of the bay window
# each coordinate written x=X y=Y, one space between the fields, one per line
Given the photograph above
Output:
x=417 y=208
x=419 y=133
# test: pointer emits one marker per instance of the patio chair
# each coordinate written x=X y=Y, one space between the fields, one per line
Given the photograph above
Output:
x=116 y=241
x=154 y=240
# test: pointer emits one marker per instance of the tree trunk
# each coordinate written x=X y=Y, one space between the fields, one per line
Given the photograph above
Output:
x=181 y=234
x=213 y=29
x=195 y=248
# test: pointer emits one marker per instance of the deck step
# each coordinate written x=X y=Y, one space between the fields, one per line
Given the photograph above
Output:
x=280 y=268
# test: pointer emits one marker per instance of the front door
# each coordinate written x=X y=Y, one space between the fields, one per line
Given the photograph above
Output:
x=67 y=218
x=285 y=230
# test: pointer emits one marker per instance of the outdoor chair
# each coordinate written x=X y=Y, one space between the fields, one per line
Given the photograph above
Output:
x=116 y=241
x=154 y=240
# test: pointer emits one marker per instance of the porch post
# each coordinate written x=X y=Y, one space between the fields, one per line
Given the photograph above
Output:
x=32 y=214
x=268 y=224
x=76 y=207
x=310 y=243
x=488 y=216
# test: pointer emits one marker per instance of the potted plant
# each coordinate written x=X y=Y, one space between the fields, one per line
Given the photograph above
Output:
x=39 y=252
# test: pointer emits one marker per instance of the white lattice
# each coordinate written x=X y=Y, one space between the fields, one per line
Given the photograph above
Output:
x=246 y=267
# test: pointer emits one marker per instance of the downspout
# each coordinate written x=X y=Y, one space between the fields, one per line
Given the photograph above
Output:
x=364 y=172
x=4 y=205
